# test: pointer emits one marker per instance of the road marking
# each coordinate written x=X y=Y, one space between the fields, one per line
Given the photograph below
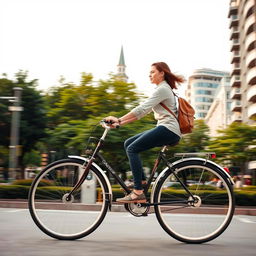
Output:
x=245 y=220
x=12 y=211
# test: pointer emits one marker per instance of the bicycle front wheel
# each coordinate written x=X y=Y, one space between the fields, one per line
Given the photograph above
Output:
x=202 y=217
x=63 y=219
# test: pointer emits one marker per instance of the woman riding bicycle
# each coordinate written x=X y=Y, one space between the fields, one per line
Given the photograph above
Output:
x=166 y=132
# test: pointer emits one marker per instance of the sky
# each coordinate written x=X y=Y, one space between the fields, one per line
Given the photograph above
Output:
x=54 y=38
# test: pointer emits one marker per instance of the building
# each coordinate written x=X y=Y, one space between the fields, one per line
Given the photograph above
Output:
x=219 y=114
x=242 y=15
x=121 y=67
x=202 y=88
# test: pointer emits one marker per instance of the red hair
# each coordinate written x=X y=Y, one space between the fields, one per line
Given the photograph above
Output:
x=169 y=77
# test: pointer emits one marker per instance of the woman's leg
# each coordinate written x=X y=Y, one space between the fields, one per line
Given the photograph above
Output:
x=127 y=143
x=155 y=137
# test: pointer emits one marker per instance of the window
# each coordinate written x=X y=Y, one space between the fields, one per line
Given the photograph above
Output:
x=206 y=85
x=203 y=99
x=203 y=92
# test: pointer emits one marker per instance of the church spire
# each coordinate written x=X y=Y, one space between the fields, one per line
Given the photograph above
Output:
x=121 y=67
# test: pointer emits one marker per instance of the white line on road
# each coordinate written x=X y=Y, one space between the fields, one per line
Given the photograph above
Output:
x=245 y=220
x=12 y=211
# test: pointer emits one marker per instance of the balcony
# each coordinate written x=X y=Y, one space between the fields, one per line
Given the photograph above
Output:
x=236 y=117
x=249 y=4
x=236 y=106
x=233 y=9
x=235 y=46
x=250 y=21
x=235 y=93
x=252 y=110
x=235 y=57
x=235 y=69
x=235 y=81
x=250 y=58
x=251 y=76
x=233 y=21
x=251 y=93
x=249 y=41
x=234 y=33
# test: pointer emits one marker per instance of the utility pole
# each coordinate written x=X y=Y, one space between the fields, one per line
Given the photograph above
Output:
x=15 y=126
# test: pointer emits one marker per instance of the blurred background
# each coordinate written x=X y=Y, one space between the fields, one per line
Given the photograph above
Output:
x=65 y=65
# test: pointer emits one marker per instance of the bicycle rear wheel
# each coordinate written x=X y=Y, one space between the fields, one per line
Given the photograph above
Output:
x=202 y=220
x=64 y=219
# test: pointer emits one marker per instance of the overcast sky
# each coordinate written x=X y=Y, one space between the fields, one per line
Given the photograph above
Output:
x=53 y=38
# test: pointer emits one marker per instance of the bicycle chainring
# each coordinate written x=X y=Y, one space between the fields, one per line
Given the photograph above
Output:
x=137 y=209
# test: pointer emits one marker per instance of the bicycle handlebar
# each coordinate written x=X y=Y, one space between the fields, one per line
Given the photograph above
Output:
x=105 y=124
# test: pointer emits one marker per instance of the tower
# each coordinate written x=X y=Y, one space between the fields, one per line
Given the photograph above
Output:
x=242 y=17
x=121 y=67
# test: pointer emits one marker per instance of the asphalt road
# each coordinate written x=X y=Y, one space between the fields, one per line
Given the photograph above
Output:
x=121 y=234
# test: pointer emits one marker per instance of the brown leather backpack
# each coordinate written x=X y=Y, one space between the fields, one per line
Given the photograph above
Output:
x=185 y=115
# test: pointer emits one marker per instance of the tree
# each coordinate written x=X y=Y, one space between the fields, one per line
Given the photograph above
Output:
x=80 y=108
x=33 y=116
x=235 y=144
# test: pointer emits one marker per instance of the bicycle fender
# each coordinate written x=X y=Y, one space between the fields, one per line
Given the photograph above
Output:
x=110 y=196
x=190 y=159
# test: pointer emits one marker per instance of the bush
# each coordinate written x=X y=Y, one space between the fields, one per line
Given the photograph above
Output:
x=249 y=188
x=202 y=187
x=28 y=182
x=14 y=192
x=242 y=198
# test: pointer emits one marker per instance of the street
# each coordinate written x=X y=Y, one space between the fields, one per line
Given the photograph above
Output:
x=121 y=234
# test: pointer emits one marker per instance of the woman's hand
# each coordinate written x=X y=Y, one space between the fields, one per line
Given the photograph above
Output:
x=112 y=121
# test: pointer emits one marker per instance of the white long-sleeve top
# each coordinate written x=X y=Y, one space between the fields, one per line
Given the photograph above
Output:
x=164 y=94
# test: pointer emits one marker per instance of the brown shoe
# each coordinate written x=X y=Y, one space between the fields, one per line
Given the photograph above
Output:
x=128 y=199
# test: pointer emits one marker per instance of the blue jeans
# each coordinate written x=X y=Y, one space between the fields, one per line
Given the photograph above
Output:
x=156 y=137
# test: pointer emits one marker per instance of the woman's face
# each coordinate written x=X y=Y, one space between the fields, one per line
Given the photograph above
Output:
x=155 y=76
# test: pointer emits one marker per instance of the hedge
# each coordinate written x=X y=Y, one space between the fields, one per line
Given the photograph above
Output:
x=242 y=197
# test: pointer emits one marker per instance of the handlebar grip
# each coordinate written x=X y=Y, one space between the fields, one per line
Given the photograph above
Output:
x=106 y=122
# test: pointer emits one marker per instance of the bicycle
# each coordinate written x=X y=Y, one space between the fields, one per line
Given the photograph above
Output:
x=69 y=198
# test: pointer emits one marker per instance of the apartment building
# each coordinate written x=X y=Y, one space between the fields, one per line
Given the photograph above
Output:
x=219 y=115
x=242 y=15
x=202 y=87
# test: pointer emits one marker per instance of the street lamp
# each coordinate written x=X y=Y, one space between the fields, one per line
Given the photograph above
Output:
x=15 y=125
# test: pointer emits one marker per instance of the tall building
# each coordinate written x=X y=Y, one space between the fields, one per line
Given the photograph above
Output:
x=121 y=67
x=202 y=88
x=242 y=15
x=219 y=114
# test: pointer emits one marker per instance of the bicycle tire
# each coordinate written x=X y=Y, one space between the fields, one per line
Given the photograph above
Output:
x=203 y=221
x=68 y=220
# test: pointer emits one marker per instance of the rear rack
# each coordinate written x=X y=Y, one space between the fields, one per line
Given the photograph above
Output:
x=205 y=154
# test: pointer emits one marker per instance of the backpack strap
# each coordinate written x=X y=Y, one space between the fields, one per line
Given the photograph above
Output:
x=164 y=106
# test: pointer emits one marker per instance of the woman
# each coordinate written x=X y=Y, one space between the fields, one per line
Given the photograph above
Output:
x=166 y=132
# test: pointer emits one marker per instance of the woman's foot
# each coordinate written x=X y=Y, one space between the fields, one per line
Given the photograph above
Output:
x=136 y=196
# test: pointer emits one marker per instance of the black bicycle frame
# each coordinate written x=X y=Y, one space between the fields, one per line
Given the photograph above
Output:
x=161 y=157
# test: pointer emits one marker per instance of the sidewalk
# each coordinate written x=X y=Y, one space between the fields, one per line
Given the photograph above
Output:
x=240 y=210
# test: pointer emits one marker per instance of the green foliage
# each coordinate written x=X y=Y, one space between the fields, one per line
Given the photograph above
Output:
x=32 y=158
x=235 y=144
x=28 y=182
x=202 y=187
x=33 y=116
x=196 y=141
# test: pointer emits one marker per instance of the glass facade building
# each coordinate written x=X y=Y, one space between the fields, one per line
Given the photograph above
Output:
x=202 y=88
